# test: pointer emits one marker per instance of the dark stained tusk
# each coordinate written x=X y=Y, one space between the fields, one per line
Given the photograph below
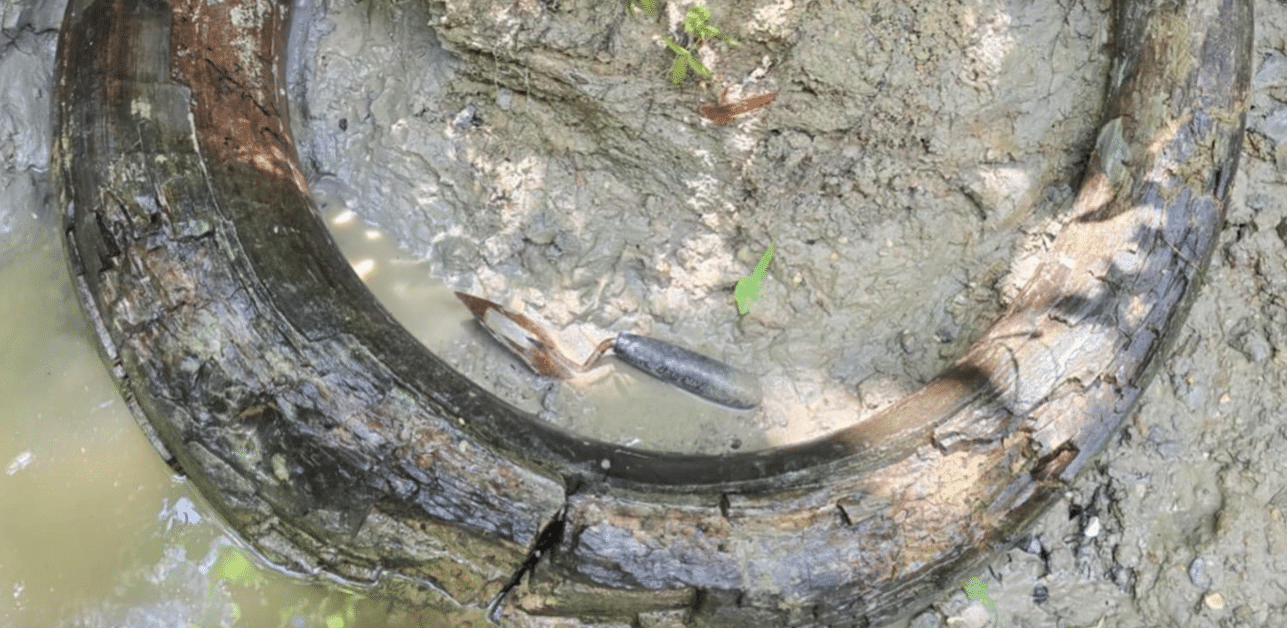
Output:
x=698 y=374
x=336 y=445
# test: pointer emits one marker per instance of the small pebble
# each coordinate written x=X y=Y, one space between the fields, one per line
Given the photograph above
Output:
x=927 y=619
x=504 y=99
x=280 y=470
x=1214 y=601
x=1254 y=345
x=1198 y=573
x=1092 y=528
x=467 y=117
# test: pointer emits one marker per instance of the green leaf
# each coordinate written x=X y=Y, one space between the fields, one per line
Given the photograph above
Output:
x=679 y=69
x=747 y=290
x=698 y=67
x=233 y=565
x=649 y=7
x=695 y=19
x=977 y=590
x=695 y=24
x=683 y=61
x=711 y=31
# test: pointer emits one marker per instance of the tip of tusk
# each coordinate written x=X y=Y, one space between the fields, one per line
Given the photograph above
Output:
x=477 y=306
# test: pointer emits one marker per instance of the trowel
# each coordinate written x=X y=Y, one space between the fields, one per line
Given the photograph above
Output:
x=703 y=376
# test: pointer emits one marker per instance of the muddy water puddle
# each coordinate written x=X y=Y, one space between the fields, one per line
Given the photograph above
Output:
x=95 y=530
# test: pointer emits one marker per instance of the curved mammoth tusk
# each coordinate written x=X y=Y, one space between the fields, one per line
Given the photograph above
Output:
x=333 y=442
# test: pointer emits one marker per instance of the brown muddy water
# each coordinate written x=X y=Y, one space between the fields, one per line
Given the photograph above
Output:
x=1180 y=524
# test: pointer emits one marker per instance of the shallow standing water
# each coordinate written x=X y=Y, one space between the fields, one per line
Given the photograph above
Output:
x=1182 y=524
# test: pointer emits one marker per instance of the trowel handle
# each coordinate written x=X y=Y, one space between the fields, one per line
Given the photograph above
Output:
x=692 y=371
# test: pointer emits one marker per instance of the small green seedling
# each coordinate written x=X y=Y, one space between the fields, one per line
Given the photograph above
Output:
x=695 y=24
x=747 y=290
x=684 y=61
x=977 y=591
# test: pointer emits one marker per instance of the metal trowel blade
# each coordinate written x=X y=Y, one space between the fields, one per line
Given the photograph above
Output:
x=522 y=335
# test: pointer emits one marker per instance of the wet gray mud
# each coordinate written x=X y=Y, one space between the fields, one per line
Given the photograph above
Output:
x=911 y=156
x=535 y=154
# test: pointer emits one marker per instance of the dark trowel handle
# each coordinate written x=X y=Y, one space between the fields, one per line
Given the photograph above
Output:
x=692 y=371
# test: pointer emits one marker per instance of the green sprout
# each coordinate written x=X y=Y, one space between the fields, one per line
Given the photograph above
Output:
x=695 y=24
x=747 y=290
x=684 y=61
x=977 y=591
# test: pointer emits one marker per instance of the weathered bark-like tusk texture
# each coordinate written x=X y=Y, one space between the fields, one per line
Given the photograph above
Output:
x=337 y=445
